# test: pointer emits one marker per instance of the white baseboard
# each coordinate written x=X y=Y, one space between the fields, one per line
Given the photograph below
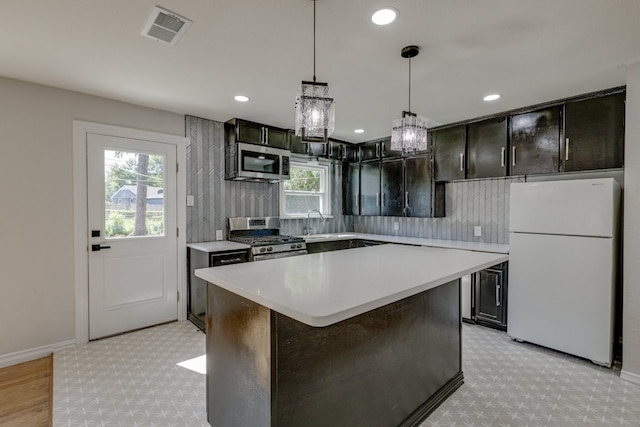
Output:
x=33 y=353
x=630 y=377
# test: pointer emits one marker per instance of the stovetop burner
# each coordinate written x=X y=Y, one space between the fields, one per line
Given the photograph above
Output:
x=267 y=240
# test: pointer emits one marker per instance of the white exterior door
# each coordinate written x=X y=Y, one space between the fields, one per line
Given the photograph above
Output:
x=131 y=194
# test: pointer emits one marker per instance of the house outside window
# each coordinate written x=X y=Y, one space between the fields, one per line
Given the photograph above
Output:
x=309 y=188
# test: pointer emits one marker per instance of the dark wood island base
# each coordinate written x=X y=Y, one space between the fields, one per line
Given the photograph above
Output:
x=391 y=366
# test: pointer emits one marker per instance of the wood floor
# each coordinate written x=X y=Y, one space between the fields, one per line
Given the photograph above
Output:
x=26 y=393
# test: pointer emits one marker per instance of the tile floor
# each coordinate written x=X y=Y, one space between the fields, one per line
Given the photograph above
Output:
x=134 y=380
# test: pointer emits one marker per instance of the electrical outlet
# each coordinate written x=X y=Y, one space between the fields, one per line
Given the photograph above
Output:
x=218 y=234
x=396 y=226
x=477 y=231
x=190 y=200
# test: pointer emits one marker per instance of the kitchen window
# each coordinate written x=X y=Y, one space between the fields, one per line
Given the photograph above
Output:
x=308 y=188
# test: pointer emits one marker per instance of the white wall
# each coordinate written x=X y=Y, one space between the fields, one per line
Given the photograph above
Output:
x=631 y=275
x=36 y=205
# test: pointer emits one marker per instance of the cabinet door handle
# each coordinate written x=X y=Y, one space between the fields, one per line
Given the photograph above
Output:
x=406 y=198
x=498 y=302
x=384 y=150
x=266 y=136
x=566 y=149
x=377 y=200
x=502 y=157
x=377 y=150
x=461 y=162
x=513 y=156
x=330 y=150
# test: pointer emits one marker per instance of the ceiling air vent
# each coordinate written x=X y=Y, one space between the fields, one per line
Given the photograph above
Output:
x=165 y=26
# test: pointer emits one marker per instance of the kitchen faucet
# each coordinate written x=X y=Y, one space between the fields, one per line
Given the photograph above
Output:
x=309 y=219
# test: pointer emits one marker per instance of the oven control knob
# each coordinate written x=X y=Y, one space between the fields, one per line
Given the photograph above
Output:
x=263 y=249
x=298 y=246
x=269 y=249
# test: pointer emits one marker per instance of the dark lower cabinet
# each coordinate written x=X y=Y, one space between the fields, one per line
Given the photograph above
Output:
x=487 y=147
x=594 y=133
x=535 y=142
x=196 y=287
x=370 y=188
x=491 y=296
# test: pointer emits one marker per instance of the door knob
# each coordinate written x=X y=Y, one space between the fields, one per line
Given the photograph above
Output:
x=97 y=247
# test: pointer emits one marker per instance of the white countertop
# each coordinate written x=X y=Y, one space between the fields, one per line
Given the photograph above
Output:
x=326 y=288
x=437 y=243
x=219 y=246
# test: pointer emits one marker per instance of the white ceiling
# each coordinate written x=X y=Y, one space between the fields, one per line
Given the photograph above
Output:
x=531 y=51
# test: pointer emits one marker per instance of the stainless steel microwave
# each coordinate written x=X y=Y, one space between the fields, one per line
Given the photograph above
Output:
x=257 y=163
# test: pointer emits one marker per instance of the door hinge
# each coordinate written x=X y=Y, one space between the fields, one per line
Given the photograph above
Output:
x=178 y=296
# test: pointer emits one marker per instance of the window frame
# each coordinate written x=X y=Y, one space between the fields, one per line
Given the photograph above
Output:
x=325 y=184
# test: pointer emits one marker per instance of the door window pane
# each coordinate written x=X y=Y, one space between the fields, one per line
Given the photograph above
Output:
x=134 y=194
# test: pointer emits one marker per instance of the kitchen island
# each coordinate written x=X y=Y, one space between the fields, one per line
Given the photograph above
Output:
x=362 y=337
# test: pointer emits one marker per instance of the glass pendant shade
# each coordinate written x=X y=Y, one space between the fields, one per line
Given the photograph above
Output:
x=315 y=112
x=409 y=134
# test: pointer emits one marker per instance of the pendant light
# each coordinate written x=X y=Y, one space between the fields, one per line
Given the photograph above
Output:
x=409 y=134
x=315 y=107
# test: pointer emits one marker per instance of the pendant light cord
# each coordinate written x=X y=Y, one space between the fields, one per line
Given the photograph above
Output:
x=409 y=85
x=314 y=41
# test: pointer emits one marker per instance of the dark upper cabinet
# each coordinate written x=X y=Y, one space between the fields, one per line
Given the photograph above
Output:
x=334 y=148
x=350 y=153
x=387 y=153
x=392 y=188
x=418 y=197
x=318 y=149
x=487 y=148
x=370 y=188
x=311 y=149
x=296 y=145
x=491 y=296
x=351 y=189
x=256 y=133
x=449 y=149
x=370 y=151
x=535 y=141
x=594 y=133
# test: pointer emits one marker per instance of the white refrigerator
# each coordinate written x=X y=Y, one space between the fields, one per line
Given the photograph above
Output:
x=563 y=255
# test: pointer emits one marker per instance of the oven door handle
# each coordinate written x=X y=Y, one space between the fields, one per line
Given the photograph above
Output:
x=280 y=255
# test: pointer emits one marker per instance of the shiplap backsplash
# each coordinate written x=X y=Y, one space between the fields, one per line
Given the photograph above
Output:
x=468 y=203
x=483 y=202
x=217 y=199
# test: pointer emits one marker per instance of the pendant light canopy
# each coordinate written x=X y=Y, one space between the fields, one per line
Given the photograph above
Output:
x=315 y=107
x=409 y=134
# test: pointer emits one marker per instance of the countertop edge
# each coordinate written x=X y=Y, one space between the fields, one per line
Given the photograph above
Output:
x=329 y=319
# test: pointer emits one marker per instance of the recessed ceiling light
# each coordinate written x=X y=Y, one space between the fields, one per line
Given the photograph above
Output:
x=358 y=131
x=384 y=16
x=241 y=98
x=492 y=97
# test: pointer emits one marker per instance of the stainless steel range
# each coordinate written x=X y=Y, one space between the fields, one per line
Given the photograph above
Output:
x=263 y=234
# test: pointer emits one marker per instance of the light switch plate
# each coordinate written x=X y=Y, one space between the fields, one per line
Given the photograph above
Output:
x=477 y=231
x=218 y=234
x=190 y=200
